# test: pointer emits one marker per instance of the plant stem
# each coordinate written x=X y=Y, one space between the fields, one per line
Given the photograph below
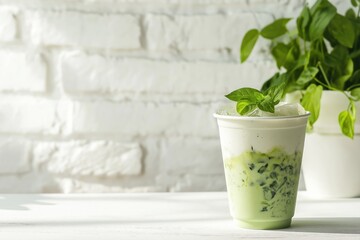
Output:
x=304 y=41
x=324 y=75
x=324 y=85
x=322 y=46
x=353 y=86
x=355 y=54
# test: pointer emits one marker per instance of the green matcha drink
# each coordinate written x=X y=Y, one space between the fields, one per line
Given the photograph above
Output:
x=263 y=187
x=262 y=160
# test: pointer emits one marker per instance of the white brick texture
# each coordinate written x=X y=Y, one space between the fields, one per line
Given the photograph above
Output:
x=96 y=158
x=8 y=25
x=201 y=32
x=190 y=155
x=14 y=157
x=75 y=28
x=22 y=70
x=141 y=119
x=82 y=73
x=28 y=115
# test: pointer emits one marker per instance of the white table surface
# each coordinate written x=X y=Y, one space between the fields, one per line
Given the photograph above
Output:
x=163 y=216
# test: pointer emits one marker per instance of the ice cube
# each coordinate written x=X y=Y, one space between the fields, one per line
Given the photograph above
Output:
x=282 y=109
x=289 y=109
x=228 y=110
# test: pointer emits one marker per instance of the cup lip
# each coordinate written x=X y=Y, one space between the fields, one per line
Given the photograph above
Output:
x=266 y=118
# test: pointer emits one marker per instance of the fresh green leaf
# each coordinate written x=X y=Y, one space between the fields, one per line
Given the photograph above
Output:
x=276 y=92
x=301 y=62
x=347 y=120
x=354 y=80
x=356 y=93
x=303 y=21
x=286 y=54
x=311 y=102
x=248 y=43
x=275 y=80
x=270 y=82
x=280 y=52
x=347 y=73
x=243 y=107
x=342 y=30
x=354 y=3
x=249 y=94
x=355 y=54
x=249 y=98
x=321 y=14
x=275 y=29
x=346 y=124
x=318 y=49
x=350 y=13
x=307 y=75
x=267 y=105
x=338 y=57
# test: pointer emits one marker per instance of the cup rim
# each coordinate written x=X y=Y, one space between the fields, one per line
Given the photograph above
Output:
x=251 y=118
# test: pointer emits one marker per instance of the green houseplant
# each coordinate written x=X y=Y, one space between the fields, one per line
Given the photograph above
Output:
x=322 y=53
x=320 y=61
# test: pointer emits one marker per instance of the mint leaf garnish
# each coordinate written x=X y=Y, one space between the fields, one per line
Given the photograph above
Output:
x=248 y=99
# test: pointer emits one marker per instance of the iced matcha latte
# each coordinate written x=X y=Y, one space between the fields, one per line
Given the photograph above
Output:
x=262 y=160
x=263 y=186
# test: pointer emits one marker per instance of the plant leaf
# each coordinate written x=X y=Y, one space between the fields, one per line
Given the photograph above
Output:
x=354 y=3
x=338 y=57
x=347 y=120
x=275 y=29
x=346 y=124
x=322 y=13
x=280 y=52
x=350 y=13
x=311 y=102
x=347 y=71
x=249 y=94
x=354 y=80
x=342 y=29
x=267 y=105
x=286 y=54
x=276 y=92
x=243 y=107
x=307 y=75
x=356 y=93
x=248 y=43
x=303 y=21
x=275 y=80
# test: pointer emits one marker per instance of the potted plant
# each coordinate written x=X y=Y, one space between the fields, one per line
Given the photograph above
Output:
x=319 y=64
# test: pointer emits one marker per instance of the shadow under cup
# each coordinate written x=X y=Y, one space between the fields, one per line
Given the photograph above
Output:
x=262 y=161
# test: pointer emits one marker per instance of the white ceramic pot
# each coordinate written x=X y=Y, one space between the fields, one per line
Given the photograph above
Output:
x=331 y=161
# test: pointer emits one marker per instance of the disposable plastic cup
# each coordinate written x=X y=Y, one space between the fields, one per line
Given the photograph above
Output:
x=262 y=160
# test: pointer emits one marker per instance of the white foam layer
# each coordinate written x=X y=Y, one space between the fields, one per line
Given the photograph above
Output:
x=282 y=109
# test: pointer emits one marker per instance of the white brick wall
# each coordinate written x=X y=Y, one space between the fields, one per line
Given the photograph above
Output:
x=160 y=119
x=110 y=75
x=109 y=96
x=200 y=32
x=31 y=78
x=28 y=115
x=96 y=158
x=92 y=30
x=8 y=25
x=14 y=157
